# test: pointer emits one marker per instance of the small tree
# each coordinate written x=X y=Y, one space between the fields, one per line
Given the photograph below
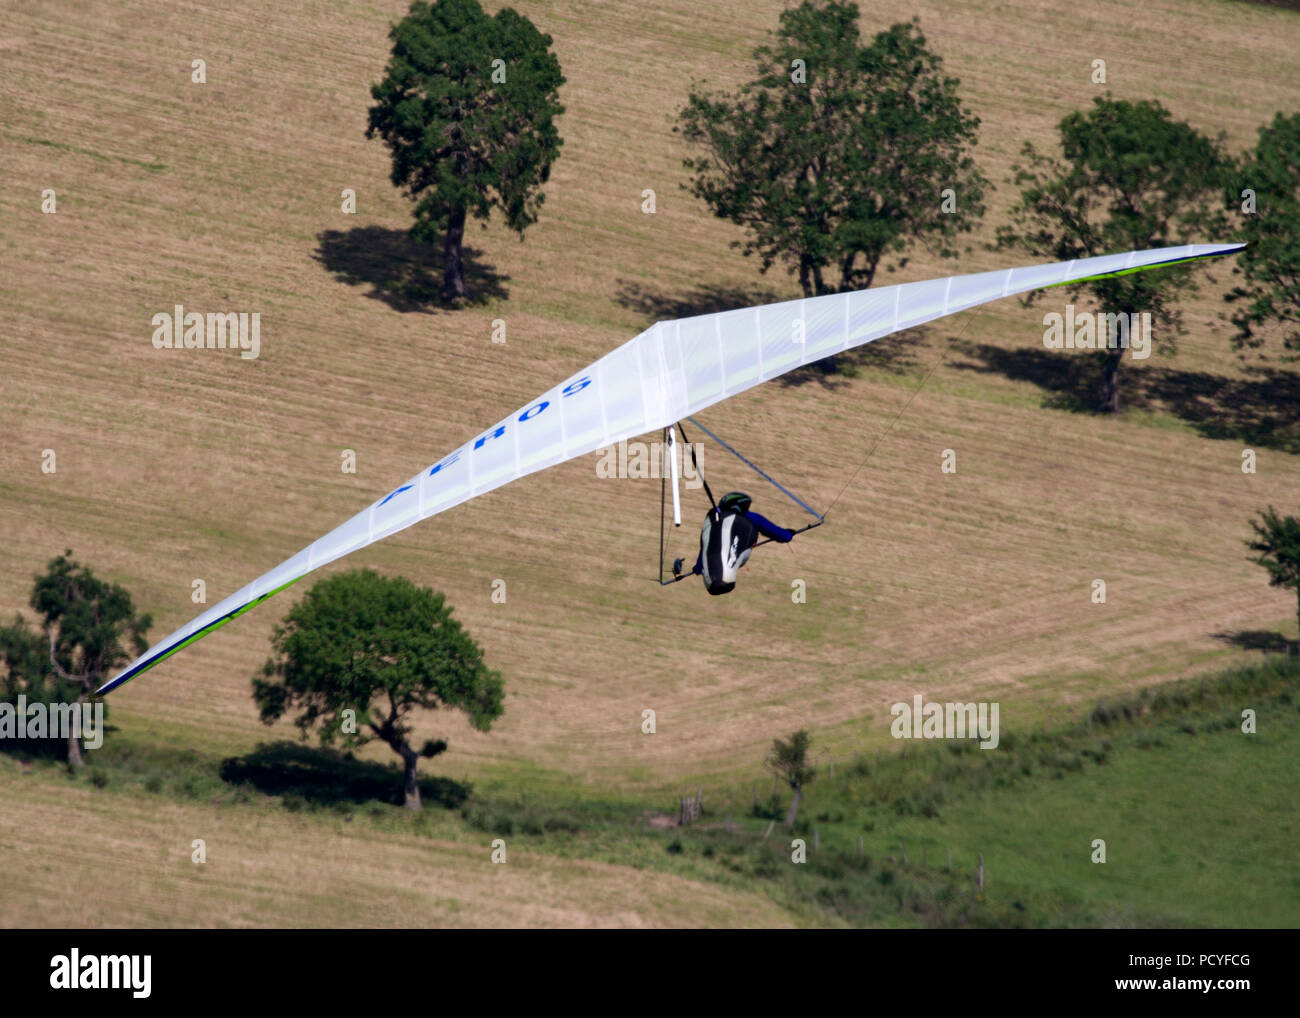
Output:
x=380 y=648
x=468 y=106
x=788 y=761
x=90 y=628
x=1130 y=177
x=838 y=154
x=1277 y=541
x=1271 y=261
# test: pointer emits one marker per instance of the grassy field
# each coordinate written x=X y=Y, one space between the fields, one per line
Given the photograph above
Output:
x=175 y=466
x=1197 y=817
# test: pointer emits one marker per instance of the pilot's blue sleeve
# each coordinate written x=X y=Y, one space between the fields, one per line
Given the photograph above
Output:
x=769 y=529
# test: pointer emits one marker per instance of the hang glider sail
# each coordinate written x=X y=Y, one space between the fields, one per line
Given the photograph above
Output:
x=668 y=372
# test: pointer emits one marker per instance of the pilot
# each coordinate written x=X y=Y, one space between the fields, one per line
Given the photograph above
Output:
x=729 y=534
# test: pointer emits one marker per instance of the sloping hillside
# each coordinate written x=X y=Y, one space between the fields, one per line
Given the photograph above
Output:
x=225 y=196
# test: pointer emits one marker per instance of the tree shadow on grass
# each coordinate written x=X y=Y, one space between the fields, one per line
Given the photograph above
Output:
x=328 y=777
x=894 y=353
x=1262 y=409
x=705 y=299
x=1258 y=639
x=405 y=275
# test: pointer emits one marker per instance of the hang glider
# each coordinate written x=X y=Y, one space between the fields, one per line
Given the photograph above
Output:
x=666 y=373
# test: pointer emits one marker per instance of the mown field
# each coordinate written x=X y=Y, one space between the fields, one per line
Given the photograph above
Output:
x=1197 y=818
x=175 y=465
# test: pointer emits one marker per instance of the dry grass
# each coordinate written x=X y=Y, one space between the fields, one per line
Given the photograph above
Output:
x=174 y=465
x=74 y=857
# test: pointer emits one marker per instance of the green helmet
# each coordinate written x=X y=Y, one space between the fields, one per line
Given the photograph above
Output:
x=734 y=501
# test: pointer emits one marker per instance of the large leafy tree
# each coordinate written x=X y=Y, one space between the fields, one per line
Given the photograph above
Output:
x=1129 y=177
x=380 y=648
x=789 y=762
x=88 y=628
x=837 y=155
x=1277 y=548
x=1271 y=261
x=468 y=106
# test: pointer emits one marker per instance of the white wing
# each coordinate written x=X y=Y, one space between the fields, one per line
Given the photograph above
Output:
x=668 y=372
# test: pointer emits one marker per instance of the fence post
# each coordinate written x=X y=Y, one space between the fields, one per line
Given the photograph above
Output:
x=817 y=840
x=979 y=873
x=860 y=853
x=949 y=860
x=903 y=850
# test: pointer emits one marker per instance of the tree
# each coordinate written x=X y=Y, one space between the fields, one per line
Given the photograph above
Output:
x=1130 y=177
x=467 y=106
x=788 y=761
x=90 y=627
x=380 y=648
x=1271 y=261
x=25 y=660
x=1277 y=542
x=25 y=657
x=837 y=154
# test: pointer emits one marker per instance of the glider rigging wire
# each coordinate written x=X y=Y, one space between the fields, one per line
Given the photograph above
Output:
x=754 y=467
